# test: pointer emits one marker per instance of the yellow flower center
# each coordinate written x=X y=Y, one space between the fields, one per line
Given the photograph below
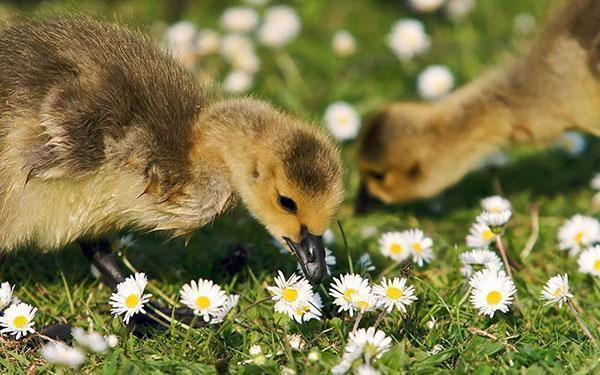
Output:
x=132 y=301
x=494 y=210
x=487 y=235
x=417 y=247
x=557 y=292
x=394 y=293
x=343 y=120
x=493 y=297
x=597 y=265
x=579 y=236
x=395 y=248
x=20 y=321
x=349 y=293
x=290 y=294
x=363 y=305
x=203 y=302
x=302 y=310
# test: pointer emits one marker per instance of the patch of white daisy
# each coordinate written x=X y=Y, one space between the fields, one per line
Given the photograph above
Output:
x=280 y=26
x=492 y=291
x=481 y=258
x=556 y=290
x=394 y=294
x=221 y=313
x=204 y=297
x=239 y=19
x=495 y=203
x=573 y=143
x=6 y=294
x=129 y=298
x=346 y=288
x=92 y=341
x=342 y=120
x=238 y=81
x=420 y=246
x=207 y=42
x=480 y=236
x=426 y=6
x=589 y=261
x=494 y=220
x=435 y=82
x=459 y=9
x=394 y=245
x=408 y=39
x=577 y=233
x=17 y=320
x=293 y=296
x=343 y=43
x=63 y=355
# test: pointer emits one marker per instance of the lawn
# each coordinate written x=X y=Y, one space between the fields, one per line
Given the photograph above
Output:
x=305 y=77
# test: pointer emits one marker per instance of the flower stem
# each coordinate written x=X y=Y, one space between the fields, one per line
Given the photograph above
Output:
x=502 y=250
x=357 y=322
x=582 y=324
x=187 y=332
x=379 y=318
x=254 y=304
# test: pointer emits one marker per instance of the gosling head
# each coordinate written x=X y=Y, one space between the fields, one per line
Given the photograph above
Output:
x=289 y=176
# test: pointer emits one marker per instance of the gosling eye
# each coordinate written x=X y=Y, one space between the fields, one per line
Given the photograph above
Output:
x=288 y=204
x=379 y=176
x=415 y=170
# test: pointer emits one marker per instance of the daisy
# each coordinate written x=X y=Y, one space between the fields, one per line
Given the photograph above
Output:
x=459 y=9
x=247 y=62
x=365 y=264
x=330 y=262
x=480 y=236
x=595 y=183
x=179 y=39
x=394 y=245
x=234 y=44
x=408 y=39
x=204 y=297
x=419 y=246
x=309 y=310
x=372 y=343
x=296 y=342
x=207 y=42
x=342 y=120
x=124 y=242
x=292 y=295
x=492 y=291
x=572 y=142
x=426 y=5
x=343 y=43
x=112 y=341
x=495 y=203
x=344 y=289
x=6 y=292
x=17 y=320
x=524 y=23
x=365 y=301
x=395 y=293
x=314 y=356
x=435 y=82
x=281 y=25
x=556 y=290
x=366 y=369
x=61 y=354
x=239 y=19
x=93 y=341
x=480 y=257
x=129 y=299
x=494 y=220
x=229 y=304
x=589 y=261
x=577 y=233
x=238 y=81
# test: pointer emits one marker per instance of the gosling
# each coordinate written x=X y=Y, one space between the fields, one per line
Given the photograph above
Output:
x=411 y=151
x=100 y=130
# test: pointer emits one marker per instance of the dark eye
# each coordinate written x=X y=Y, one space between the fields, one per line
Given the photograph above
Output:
x=414 y=171
x=379 y=176
x=288 y=204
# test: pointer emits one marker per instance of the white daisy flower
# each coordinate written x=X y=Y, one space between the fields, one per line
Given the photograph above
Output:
x=17 y=320
x=459 y=9
x=255 y=350
x=239 y=19
x=365 y=264
x=365 y=301
x=112 y=341
x=480 y=236
x=309 y=310
x=556 y=290
x=330 y=262
x=572 y=142
x=426 y=5
x=494 y=220
x=495 y=203
x=366 y=369
x=395 y=294
x=408 y=39
x=6 y=294
x=342 y=120
x=524 y=23
x=419 y=245
x=234 y=44
x=435 y=82
x=343 y=43
x=492 y=291
x=230 y=303
x=179 y=39
x=368 y=231
x=394 y=245
x=238 y=82
x=246 y=62
x=296 y=342
x=314 y=356
x=589 y=261
x=373 y=343
x=479 y=257
x=63 y=355
x=344 y=289
x=204 y=297
x=292 y=295
x=129 y=298
x=208 y=42
x=595 y=183
x=92 y=341
x=578 y=233
x=281 y=25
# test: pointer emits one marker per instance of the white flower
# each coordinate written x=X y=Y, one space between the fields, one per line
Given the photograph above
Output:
x=17 y=320
x=6 y=292
x=572 y=142
x=342 y=120
x=373 y=343
x=578 y=233
x=480 y=236
x=426 y=5
x=60 y=354
x=408 y=39
x=494 y=219
x=366 y=369
x=229 y=304
x=310 y=310
x=436 y=349
x=556 y=290
x=435 y=82
x=394 y=245
x=180 y=38
x=124 y=242
x=296 y=342
x=330 y=262
x=239 y=19
x=595 y=183
x=233 y=45
x=344 y=290
x=207 y=42
x=314 y=356
x=255 y=350
x=589 y=261
x=246 y=62
x=292 y=295
x=492 y=291
x=93 y=341
x=524 y=23
x=431 y=323
x=328 y=236
x=459 y=9
x=368 y=231
x=343 y=43
x=238 y=82
x=281 y=25
x=365 y=264
x=364 y=301
x=204 y=297
x=495 y=203
x=419 y=245
x=395 y=293
x=481 y=257
x=129 y=299
x=112 y=341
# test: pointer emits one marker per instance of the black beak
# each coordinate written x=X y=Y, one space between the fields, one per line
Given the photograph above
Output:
x=364 y=201
x=311 y=255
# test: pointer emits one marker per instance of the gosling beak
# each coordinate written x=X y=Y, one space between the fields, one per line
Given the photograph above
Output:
x=364 y=201
x=311 y=255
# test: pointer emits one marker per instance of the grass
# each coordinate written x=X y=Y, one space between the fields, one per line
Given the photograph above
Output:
x=539 y=340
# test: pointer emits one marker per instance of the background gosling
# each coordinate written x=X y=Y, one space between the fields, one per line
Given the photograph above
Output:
x=100 y=130
x=412 y=151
